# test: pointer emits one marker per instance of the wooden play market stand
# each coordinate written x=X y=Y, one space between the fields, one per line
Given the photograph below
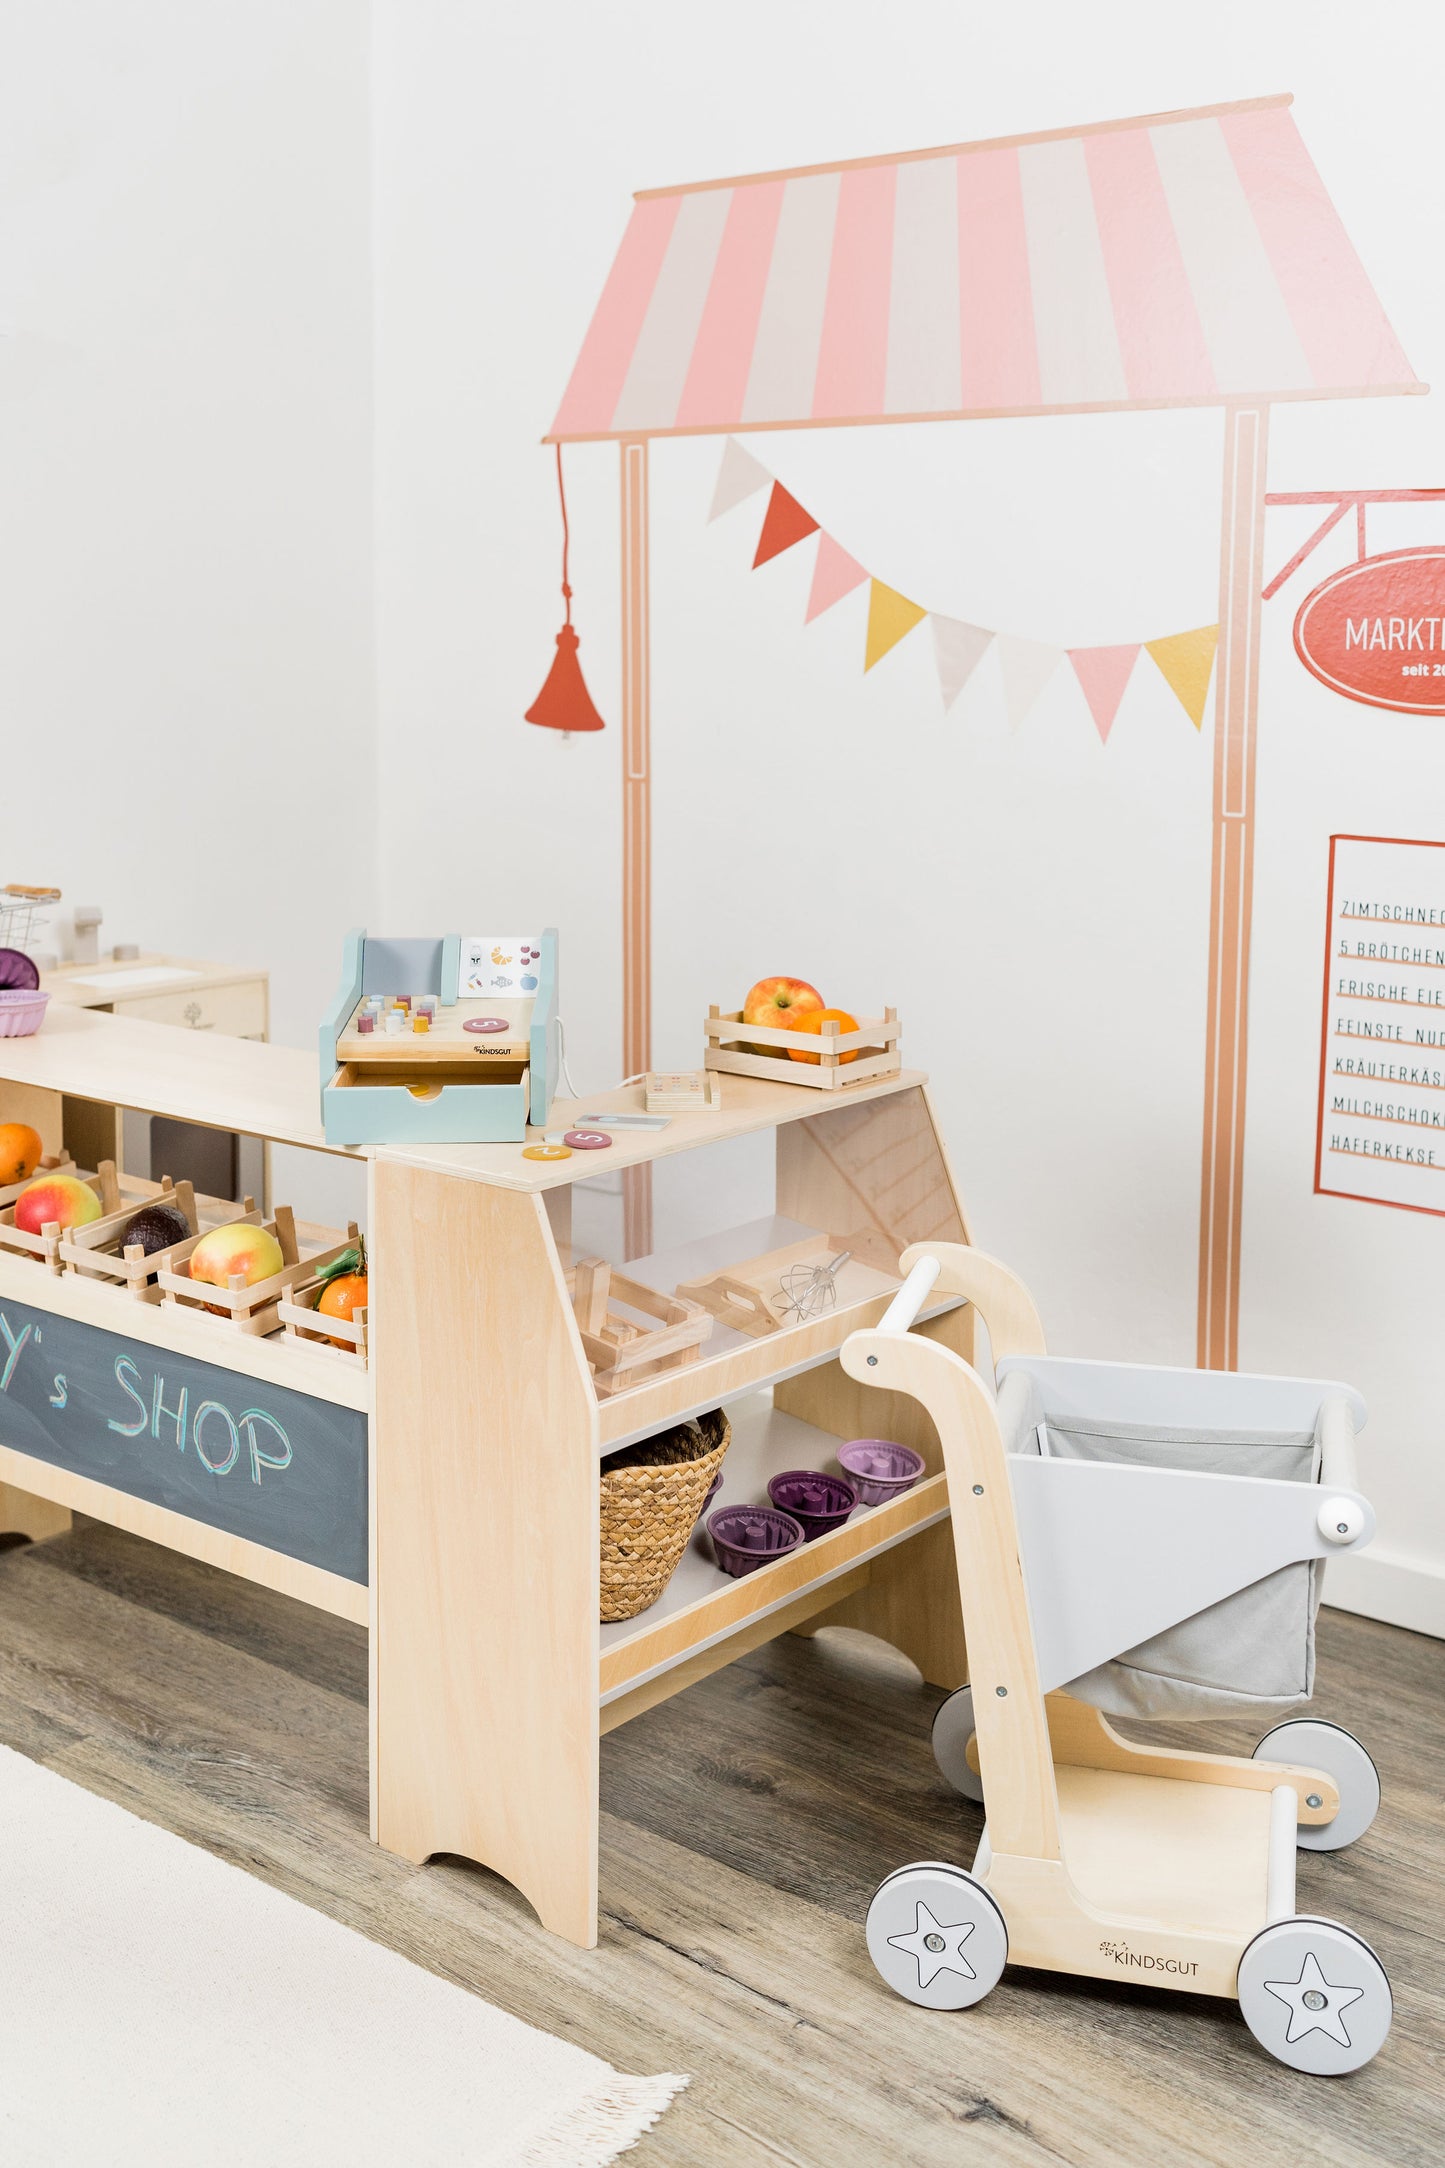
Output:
x=491 y=1680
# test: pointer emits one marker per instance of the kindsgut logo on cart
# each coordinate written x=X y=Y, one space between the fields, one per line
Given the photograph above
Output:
x=1143 y=1961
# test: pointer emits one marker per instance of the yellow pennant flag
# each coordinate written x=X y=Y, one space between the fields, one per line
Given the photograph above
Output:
x=890 y=616
x=1186 y=660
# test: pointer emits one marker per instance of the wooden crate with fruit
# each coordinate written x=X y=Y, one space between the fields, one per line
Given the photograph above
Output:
x=130 y=1247
x=52 y=1204
x=328 y=1310
x=622 y=1351
x=785 y=1032
x=24 y=1159
x=240 y=1272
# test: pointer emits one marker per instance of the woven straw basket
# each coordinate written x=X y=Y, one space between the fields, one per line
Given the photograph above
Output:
x=652 y=1494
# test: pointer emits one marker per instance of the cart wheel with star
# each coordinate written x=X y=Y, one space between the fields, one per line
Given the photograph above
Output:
x=1315 y=1995
x=936 y=1936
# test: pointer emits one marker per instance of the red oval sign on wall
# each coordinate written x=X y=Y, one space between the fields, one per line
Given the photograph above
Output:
x=1376 y=631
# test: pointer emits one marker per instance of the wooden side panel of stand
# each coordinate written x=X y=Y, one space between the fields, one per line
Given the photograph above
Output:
x=485 y=1600
x=879 y=1164
x=884 y=1166
x=911 y=1600
x=21 y=1512
x=43 y=1110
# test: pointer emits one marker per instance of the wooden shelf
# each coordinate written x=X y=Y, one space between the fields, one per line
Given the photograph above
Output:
x=1153 y=1848
x=277 y=1359
x=731 y=1363
x=703 y=1607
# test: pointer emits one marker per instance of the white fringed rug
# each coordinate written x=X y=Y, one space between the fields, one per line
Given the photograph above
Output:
x=158 y=2006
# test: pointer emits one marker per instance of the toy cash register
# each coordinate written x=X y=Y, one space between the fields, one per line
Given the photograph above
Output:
x=446 y=1041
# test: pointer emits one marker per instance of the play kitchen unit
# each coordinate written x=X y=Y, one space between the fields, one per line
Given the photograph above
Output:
x=440 y=1484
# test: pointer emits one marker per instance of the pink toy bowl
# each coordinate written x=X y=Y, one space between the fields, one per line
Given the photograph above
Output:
x=22 y=1010
x=879 y=1469
x=818 y=1500
x=746 y=1537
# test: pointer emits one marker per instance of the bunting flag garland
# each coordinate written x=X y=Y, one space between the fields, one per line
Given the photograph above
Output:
x=958 y=649
x=835 y=575
x=739 y=477
x=1185 y=660
x=784 y=523
x=890 y=616
x=1027 y=666
x=1103 y=672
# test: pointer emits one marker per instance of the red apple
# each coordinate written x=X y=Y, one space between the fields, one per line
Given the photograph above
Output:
x=56 y=1199
x=240 y=1250
x=779 y=1002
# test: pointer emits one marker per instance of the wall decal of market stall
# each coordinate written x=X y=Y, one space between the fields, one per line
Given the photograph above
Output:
x=1179 y=259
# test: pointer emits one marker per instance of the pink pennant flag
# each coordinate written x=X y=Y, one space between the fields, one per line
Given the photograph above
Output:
x=1103 y=672
x=835 y=575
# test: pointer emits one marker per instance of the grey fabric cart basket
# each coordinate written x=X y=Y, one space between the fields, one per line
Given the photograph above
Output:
x=1253 y=1653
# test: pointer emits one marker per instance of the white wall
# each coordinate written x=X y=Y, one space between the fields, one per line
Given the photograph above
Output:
x=1035 y=906
x=186 y=686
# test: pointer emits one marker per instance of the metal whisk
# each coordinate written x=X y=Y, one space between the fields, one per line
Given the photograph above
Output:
x=808 y=1289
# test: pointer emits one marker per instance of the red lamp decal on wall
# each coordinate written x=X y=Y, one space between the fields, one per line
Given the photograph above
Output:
x=564 y=702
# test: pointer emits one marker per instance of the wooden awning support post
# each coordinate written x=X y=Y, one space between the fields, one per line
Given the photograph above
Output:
x=636 y=821
x=1236 y=708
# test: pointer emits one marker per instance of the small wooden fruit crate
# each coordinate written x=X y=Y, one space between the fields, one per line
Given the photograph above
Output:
x=46 y=1245
x=621 y=1352
x=254 y=1309
x=297 y=1311
x=52 y=1163
x=96 y=1253
x=837 y=1058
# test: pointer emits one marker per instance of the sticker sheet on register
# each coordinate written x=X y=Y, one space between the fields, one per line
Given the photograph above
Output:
x=502 y=965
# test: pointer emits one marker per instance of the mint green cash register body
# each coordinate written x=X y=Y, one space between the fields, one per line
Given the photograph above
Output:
x=448 y=1040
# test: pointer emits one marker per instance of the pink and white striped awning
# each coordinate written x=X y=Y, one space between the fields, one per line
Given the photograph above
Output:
x=1182 y=259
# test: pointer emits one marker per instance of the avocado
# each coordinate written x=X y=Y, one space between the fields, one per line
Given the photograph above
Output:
x=156 y=1228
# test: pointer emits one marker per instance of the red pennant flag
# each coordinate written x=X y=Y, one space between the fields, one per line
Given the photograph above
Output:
x=786 y=523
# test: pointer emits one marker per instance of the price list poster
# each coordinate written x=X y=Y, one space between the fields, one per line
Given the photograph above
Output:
x=1381 y=1134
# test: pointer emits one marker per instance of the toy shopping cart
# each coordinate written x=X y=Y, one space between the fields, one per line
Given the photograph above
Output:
x=1133 y=1542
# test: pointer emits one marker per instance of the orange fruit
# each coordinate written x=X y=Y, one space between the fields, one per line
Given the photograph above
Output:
x=343 y=1297
x=20 y=1151
x=814 y=1020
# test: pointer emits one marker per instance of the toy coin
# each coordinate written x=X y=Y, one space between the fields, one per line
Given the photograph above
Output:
x=587 y=1140
x=546 y=1151
x=486 y=1023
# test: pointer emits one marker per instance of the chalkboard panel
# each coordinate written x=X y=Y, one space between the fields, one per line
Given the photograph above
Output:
x=260 y=1461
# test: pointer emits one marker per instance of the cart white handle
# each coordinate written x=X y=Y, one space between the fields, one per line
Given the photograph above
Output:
x=1341 y=1518
x=911 y=1296
x=1337 y=1446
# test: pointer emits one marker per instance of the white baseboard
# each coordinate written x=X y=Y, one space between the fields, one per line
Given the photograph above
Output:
x=1378 y=1584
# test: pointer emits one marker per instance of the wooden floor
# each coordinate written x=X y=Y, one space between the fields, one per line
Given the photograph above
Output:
x=744 y=1827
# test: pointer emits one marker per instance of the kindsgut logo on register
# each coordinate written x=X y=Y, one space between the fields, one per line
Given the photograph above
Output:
x=1142 y=1961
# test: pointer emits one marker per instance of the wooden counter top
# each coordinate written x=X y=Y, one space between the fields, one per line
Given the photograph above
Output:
x=748 y=1104
x=194 y=1076
x=274 y=1091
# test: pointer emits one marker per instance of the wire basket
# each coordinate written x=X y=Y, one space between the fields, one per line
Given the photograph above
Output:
x=652 y=1494
x=21 y=915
